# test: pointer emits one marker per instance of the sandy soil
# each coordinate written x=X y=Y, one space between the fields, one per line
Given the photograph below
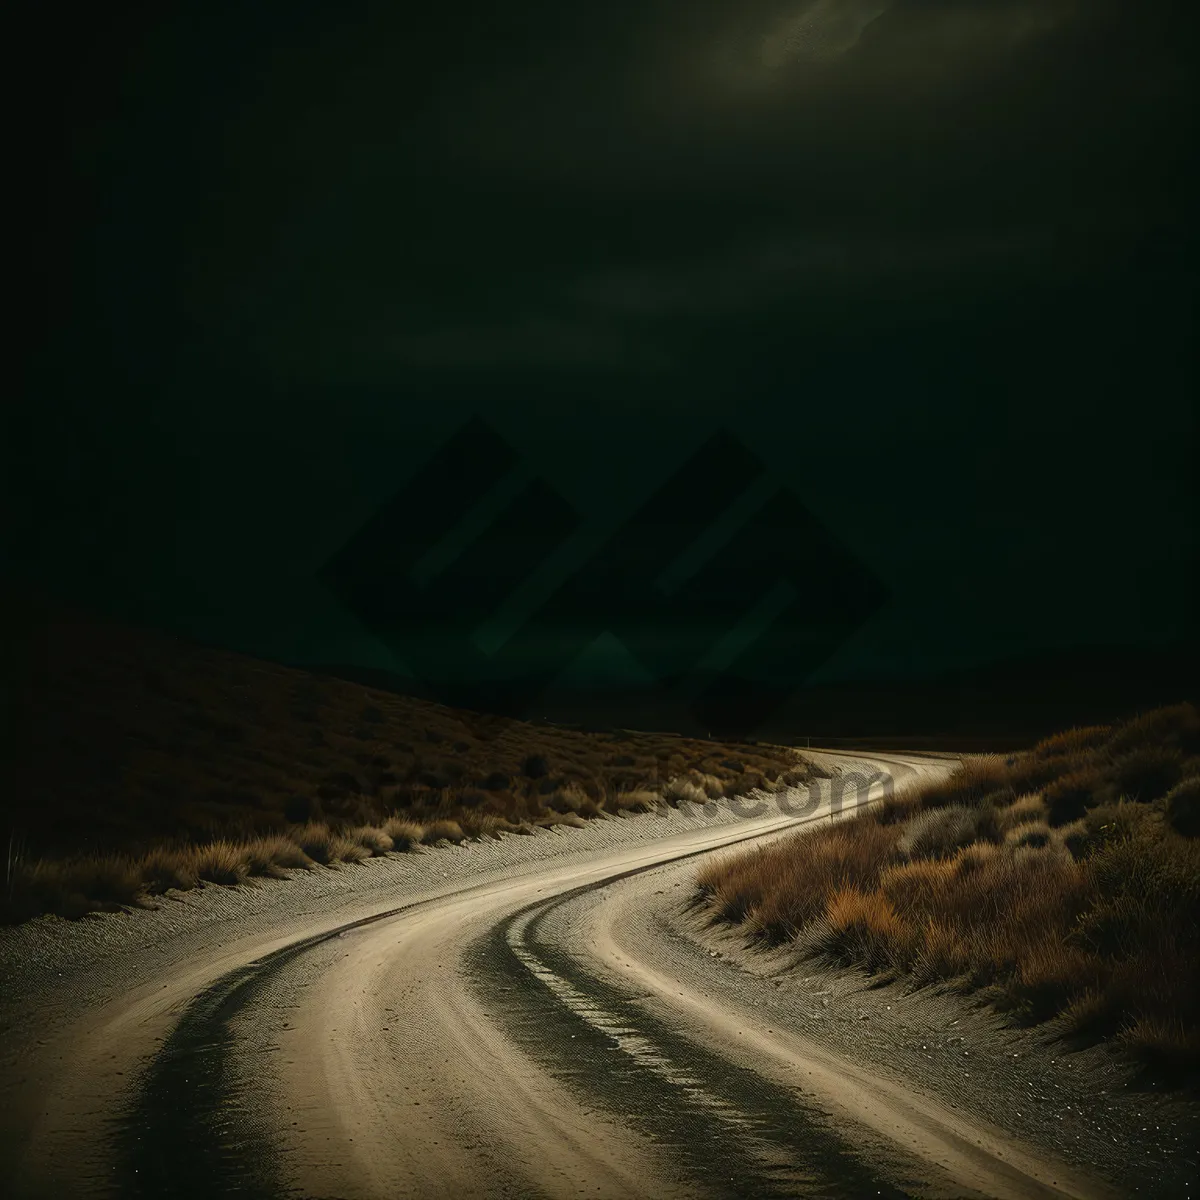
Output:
x=531 y=1016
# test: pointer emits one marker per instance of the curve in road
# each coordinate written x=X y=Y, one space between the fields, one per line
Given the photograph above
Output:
x=536 y=1034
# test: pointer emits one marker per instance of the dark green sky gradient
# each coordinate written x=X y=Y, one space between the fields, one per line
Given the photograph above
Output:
x=941 y=279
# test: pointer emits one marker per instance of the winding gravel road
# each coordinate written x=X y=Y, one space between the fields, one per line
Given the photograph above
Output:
x=512 y=1025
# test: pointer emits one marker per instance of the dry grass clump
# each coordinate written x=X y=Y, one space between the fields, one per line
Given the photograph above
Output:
x=275 y=856
x=781 y=887
x=1034 y=834
x=638 y=800
x=571 y=797
x=1022 y=810
x=163 y=870
x=858 y=926
x=551 y=819
x=979 y=777
x=682 y=790
x=1072 y=741
x=941 y=831
x=903 y=803
x=405 y=834
x=485 y=825
x=317 y=840
x=221 y=862
x=978 y=883
x=372 y=838
x=443 y=830
x=1182 y=805
x=72 y=889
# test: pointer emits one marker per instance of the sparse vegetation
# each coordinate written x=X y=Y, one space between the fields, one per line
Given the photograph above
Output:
x=149 y=764
x=1061 y=882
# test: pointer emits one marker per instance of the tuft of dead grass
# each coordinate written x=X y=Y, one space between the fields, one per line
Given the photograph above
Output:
x=272 y=856
x=1022 y=810
x=405 y=834
x=1182 y=807
x=316 y=839
x=639 y=800
x=443 y=830
x=164 y=870
x=860 y=926
x=223 y=862
x=372 y=838
x=682 y=790
x=485 y=825
x=939 y=832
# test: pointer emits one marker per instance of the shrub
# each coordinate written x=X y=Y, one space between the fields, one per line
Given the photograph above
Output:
x=712 y=787
x=372 y=838
x=164 y=869
x=1176 y=727
x=941 y=831
x=860 y=927
x=345 y=849
x=1068 y=798
x=1050 y=975
x=484 y=825
x=685 y=791
x=1034 y=834
x=569 y=798
x=1020 y=811
x=1167 y=1044
x=550 y=819
x=221 y=862
x=1072 y=741
x=1111 y=822
x=109 y=878
x=975 y=779
x=638 y=800
x=443 y=830
x=797 y=875
x=1075 y=838
x=288 y=854
x=268 y=856
x=941 y=954
x=535 y=766
x=405 y=834
x=316 y=839
x=1148 y=772
x=1183 y=807
x=897 y=808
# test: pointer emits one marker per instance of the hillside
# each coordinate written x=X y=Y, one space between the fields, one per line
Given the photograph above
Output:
x=129 y=742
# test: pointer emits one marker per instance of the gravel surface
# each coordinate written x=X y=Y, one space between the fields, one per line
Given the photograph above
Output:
x=1082 y=1105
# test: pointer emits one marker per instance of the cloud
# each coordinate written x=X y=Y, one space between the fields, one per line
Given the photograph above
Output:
x=862 y=40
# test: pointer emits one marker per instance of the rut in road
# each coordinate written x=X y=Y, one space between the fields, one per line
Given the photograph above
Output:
x=191 y=1131
x=732 y=1133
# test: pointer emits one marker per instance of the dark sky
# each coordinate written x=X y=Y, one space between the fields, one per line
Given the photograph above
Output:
x=932 y=262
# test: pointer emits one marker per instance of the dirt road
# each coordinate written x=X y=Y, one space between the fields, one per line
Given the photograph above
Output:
x=520 y=1025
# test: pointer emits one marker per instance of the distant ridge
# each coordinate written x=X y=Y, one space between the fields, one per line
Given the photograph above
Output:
x=1007 y=702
